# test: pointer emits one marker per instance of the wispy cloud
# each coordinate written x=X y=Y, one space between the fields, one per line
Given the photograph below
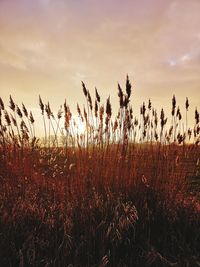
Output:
x=59 y=43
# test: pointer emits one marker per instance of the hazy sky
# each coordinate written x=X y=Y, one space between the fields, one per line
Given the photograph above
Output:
x=47 y=47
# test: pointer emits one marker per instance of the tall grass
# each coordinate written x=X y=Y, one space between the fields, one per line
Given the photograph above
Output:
x=121 y=193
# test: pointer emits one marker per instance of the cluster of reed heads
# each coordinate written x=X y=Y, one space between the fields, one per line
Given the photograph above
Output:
x=17 y=124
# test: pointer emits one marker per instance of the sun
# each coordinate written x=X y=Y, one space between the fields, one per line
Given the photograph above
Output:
x=80 y=126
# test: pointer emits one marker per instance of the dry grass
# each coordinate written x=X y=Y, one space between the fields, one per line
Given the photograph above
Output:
x=124 y=193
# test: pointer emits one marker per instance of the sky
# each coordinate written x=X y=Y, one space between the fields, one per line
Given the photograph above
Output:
x=48 y=47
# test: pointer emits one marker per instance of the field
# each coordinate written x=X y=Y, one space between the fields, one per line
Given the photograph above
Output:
x=122 y=192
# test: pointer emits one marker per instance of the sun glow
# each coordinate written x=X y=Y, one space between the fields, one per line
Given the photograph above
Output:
x=79 y=125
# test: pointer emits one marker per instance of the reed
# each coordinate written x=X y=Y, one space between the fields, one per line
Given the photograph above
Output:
x=125 y=192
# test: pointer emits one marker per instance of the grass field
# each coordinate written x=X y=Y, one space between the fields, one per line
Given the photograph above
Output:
x=123 y=192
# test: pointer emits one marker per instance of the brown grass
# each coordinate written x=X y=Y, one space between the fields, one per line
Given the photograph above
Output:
x=124 y=193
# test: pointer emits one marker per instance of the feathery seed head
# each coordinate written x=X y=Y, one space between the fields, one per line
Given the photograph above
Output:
x=12 y=104
x=85 y=91
x=173 y=105
x=13 y=120
x=121 y=96
x=18 y=110
x=31 y=117
x=24 y=110
x=7 y=118
x=89 y=99
x=196 y=116
x=97 y=95
x=1 y=104
x=128 y=87
x=187 y=104
x=41 y=105
x=96 y=108
x=108 y=107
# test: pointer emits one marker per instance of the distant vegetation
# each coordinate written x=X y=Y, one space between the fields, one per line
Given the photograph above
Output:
x=121 y=191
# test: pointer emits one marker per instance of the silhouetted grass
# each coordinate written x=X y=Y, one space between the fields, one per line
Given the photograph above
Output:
x=121 y=193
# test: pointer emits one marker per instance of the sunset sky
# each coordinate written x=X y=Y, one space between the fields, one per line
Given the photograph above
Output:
x=47 y=47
